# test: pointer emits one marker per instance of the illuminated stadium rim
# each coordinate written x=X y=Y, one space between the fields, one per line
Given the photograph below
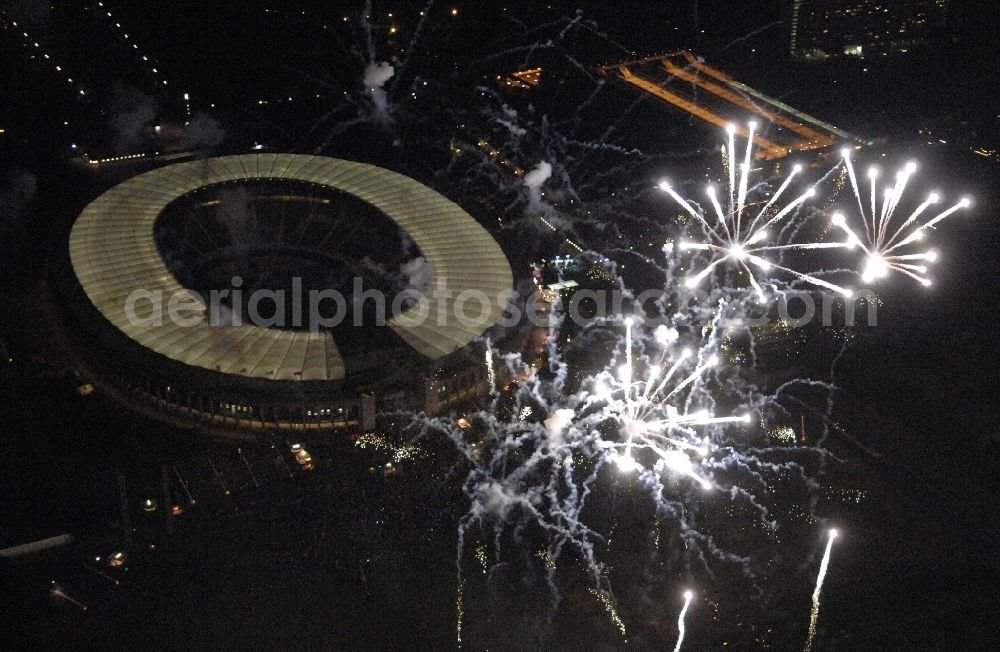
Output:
x=113 y=253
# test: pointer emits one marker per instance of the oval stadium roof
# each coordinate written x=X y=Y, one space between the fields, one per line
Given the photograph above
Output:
x=114 y=254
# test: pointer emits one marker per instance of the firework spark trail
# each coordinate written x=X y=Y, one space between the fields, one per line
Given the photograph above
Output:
x=745 y=37
x=491 y=376
x=680 y=620
x=414 y=41
x=578 y=112
x=882 y=239
x=814 y=615
x=459 y=612
x=745 y=244
x=610 y=608
x=567 y=24
x=790 y=231
x=366 y=26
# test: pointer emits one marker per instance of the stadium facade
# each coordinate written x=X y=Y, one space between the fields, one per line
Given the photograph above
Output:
x=165 y=347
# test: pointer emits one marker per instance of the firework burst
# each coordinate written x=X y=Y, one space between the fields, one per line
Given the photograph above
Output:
x=739 y=233
x=646 y=414
x=887 y=244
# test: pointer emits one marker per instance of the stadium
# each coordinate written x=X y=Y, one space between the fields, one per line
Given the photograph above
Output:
x=204 y=280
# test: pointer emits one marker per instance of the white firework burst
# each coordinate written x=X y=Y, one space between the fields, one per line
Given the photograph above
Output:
x=645 y=411
x=887 y=244
x=740 y=235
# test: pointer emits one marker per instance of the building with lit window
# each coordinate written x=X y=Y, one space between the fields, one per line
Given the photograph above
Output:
x=821 y=29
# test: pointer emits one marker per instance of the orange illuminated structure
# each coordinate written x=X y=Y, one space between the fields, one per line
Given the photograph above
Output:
x=687 y=82
x=523 y=78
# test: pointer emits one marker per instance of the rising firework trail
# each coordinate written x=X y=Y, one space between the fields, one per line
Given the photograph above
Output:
x=680 y=620
x=814 y=616
x=886 y=243
x=491 y=376
x=739 y=236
